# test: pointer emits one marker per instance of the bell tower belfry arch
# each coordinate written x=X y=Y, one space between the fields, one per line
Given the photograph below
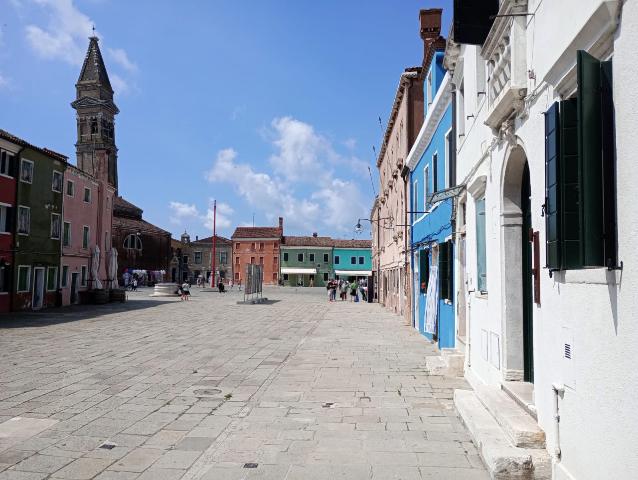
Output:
x=95 y=113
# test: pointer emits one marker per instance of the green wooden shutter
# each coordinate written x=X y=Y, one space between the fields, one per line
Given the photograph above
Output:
x=552 y=189
x=444 y=261
x=570 y=187
x=481 y=254
x=609 y=163
x=589 y=152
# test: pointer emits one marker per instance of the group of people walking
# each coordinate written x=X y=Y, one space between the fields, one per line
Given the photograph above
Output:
x=358 y=290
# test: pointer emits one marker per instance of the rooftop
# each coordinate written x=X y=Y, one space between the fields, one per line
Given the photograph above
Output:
x=23 y=143
x=257 y=232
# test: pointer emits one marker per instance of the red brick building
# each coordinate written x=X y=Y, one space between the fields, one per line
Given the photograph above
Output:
x=258 y=245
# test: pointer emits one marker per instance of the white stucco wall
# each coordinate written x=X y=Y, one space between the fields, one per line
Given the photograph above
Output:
x=594 y=310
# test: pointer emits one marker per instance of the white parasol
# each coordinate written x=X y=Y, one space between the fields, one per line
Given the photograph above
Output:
x=113 y=269
x=95 y=268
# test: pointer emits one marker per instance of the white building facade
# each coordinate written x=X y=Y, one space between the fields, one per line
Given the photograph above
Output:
x=546 y=226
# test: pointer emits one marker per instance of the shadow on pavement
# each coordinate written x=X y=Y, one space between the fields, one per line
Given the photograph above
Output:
x=73 y=313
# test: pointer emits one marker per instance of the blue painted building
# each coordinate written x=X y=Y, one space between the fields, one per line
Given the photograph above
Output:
x=431 y=164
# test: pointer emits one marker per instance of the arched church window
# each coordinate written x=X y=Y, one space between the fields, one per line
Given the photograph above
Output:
x=133 y=242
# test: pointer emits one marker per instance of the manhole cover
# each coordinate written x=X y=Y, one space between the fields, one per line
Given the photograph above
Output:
x=251 y=465
x=206 y=392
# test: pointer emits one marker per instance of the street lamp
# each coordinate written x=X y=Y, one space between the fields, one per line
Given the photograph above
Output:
x=358 y=228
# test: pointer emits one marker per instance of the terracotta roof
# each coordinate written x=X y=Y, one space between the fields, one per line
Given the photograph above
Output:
x=289 y=241
x=220 y=239
x=23 y=143
x=257 y=232
x=137 y=225
x=353 y=243
x=124 y=208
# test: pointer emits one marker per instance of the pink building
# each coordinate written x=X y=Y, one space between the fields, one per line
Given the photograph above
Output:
x=87 y=220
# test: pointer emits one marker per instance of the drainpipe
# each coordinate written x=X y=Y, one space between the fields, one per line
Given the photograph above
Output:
x=559 y=390
x=14 y=279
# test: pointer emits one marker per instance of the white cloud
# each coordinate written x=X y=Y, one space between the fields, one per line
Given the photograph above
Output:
x=67 y=26
x=224 y=212
x=303 y=187
x=350 y=143
x=120 y=57
x=4 y=81
x=180 y=211
x=120 y=86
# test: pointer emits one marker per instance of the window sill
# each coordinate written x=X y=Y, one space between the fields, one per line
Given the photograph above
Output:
x=5 y=233
x=591 y=276
x=4 y=293
x=481 y=295
x=7 y=176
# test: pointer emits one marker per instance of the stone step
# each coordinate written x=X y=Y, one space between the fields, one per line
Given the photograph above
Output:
x=520 y=427
x=502 y=459
x=449 y=365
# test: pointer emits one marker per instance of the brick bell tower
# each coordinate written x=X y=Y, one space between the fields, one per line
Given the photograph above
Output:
x=95 y=113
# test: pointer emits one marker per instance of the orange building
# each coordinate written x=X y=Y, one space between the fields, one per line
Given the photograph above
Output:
x=258 y=245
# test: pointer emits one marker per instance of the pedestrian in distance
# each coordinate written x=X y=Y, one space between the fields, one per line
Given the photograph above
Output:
x=135 y=284
x=343 y=290
x=186 y=291
x=353 y=291
x=220 y=287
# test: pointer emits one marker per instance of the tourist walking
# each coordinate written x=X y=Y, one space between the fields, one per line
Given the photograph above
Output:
x=343 y=290
x=134 y=287
x=186 y=291
x=353 y=291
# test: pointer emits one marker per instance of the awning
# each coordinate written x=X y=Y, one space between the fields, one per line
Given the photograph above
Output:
x=354 y=273
x=298 y=271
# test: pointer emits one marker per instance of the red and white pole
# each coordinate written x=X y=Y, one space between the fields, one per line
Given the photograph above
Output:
x=212 y=276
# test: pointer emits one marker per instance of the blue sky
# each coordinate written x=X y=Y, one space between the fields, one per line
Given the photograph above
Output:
x=269 y=106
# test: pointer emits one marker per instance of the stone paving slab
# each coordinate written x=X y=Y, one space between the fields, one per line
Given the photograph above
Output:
x=299 y=388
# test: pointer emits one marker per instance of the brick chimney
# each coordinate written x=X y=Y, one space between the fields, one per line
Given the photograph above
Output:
x=314 y=234
x=430 y=29
x=281 y=224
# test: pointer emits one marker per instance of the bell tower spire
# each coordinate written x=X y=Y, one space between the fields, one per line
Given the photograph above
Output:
x=95 y=113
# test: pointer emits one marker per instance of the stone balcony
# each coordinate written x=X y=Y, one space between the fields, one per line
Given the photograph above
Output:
x=505 y=51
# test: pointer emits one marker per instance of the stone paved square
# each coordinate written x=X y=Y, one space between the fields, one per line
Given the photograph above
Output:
x=301 y=388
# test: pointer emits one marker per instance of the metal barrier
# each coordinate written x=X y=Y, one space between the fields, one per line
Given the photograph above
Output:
x=254 y=282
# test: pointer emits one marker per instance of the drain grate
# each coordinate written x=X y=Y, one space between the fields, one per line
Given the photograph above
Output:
x=251 y=465
x=327 y=405
x=108 y=446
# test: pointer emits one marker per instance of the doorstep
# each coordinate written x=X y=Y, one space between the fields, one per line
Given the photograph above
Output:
x=449 y=363
x=523 y=394
x=503 y=459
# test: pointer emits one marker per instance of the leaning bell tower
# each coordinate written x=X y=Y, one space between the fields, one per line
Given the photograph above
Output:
x=95 y=112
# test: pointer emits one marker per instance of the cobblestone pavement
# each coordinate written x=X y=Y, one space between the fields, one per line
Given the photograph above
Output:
x=297 y=389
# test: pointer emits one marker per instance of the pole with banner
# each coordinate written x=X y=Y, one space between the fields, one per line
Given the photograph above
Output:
x=213 y=257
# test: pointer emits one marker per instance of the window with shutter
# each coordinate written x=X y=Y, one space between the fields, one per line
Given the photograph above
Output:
x=445 y=271
x=580 y=178
x=552 y=189
x=481 y=253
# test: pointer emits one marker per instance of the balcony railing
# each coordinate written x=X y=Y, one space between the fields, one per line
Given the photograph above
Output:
x=505 y=51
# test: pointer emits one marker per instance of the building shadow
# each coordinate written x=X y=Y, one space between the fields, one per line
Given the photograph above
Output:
x=74 y=313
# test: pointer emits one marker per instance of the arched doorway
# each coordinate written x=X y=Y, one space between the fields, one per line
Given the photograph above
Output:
x=516 y=223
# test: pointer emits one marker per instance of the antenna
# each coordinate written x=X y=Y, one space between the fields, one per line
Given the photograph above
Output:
x=253 y=219
x=371 y=181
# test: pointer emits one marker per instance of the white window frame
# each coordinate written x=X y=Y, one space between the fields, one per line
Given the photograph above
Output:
x=28 y=267
x=72 y=183
x=87 y=189
x=430 y=96
x=64 y=277
x=53 y=181
x=70 y=231
x=7 y=163
x=88 y=236
x=135 y=242
x=55 y=279
x=84 y=276
x=7 y=228
x=361 y=260
x=302 y=257
x=355 y=260
x=311 y=257
x=22 y=162
x=28 y=209
x=51 y=229
x=201 y=257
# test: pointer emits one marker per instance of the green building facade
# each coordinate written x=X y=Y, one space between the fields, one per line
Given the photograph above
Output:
x=306 y=261
x=38 y=227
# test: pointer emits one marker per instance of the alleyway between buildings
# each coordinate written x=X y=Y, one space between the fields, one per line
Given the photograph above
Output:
x=207 y=389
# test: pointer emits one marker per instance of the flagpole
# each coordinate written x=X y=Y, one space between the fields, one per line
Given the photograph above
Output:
x=212 y=276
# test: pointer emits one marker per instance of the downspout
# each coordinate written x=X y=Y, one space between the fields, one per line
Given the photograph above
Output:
x=14 y=272
x=559 y=391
